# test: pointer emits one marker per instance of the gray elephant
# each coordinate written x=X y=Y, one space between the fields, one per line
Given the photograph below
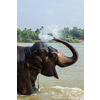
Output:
x=40 y=58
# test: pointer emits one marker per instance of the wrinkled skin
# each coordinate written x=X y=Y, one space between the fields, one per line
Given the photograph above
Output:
x=40 y=58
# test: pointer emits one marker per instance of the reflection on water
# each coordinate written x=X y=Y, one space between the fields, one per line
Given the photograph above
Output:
x=70 y=86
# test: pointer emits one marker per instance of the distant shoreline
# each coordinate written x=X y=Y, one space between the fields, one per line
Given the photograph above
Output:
x=79 y=41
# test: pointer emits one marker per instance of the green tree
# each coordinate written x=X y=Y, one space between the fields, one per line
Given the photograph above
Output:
x=79 y=34
x=41 y=28
x=74 y=31
x=19 y=35
x=24 y=35
x=32 y=35
x=37 y=33
x=65 y=33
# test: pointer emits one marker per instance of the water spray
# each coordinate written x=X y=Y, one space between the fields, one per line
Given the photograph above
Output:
x=47 y=33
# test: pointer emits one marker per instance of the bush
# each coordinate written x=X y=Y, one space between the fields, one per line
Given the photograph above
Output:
x=69 y=40
x=76 y=40
x=72 y=40
x=74 y=37
x=29 y=40
x=70 y=37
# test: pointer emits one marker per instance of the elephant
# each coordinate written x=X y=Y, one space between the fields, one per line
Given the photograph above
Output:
x=40 y=58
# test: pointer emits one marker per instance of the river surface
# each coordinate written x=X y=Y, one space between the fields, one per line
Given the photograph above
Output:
x=69 y=86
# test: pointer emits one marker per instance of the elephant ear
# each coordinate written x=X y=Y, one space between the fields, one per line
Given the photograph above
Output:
x=34 y=61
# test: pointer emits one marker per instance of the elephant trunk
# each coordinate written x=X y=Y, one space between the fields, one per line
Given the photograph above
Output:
x=64 y=61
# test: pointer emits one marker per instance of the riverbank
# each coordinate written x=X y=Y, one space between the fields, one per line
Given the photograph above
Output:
x=68 y=40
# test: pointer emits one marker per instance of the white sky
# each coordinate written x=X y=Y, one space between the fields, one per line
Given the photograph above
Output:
x=36 y=13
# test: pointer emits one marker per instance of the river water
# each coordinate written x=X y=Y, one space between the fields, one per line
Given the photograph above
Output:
x=69 y=86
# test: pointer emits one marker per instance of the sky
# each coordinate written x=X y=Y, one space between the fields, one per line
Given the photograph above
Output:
x=36 y=13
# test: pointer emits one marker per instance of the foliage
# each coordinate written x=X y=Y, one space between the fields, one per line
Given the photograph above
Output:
x=65 y=33
x=73 y=35
x=27 y=35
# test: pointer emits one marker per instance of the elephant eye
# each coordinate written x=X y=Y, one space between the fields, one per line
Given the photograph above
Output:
x=54 y=55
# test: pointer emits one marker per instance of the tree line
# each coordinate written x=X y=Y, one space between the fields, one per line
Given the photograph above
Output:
x=73 y=35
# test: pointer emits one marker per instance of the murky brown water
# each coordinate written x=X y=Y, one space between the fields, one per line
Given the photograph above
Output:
x=70 y=86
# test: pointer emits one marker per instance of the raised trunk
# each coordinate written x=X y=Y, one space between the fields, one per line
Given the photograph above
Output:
x=64 y=61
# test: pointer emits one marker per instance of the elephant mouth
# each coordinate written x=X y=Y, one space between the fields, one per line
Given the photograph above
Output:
x=50 y=73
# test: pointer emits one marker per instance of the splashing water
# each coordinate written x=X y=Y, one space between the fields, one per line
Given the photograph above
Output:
x=47 y=34
x=54 y=93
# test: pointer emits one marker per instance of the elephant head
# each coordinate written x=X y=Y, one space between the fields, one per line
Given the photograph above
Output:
x=44 y=58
